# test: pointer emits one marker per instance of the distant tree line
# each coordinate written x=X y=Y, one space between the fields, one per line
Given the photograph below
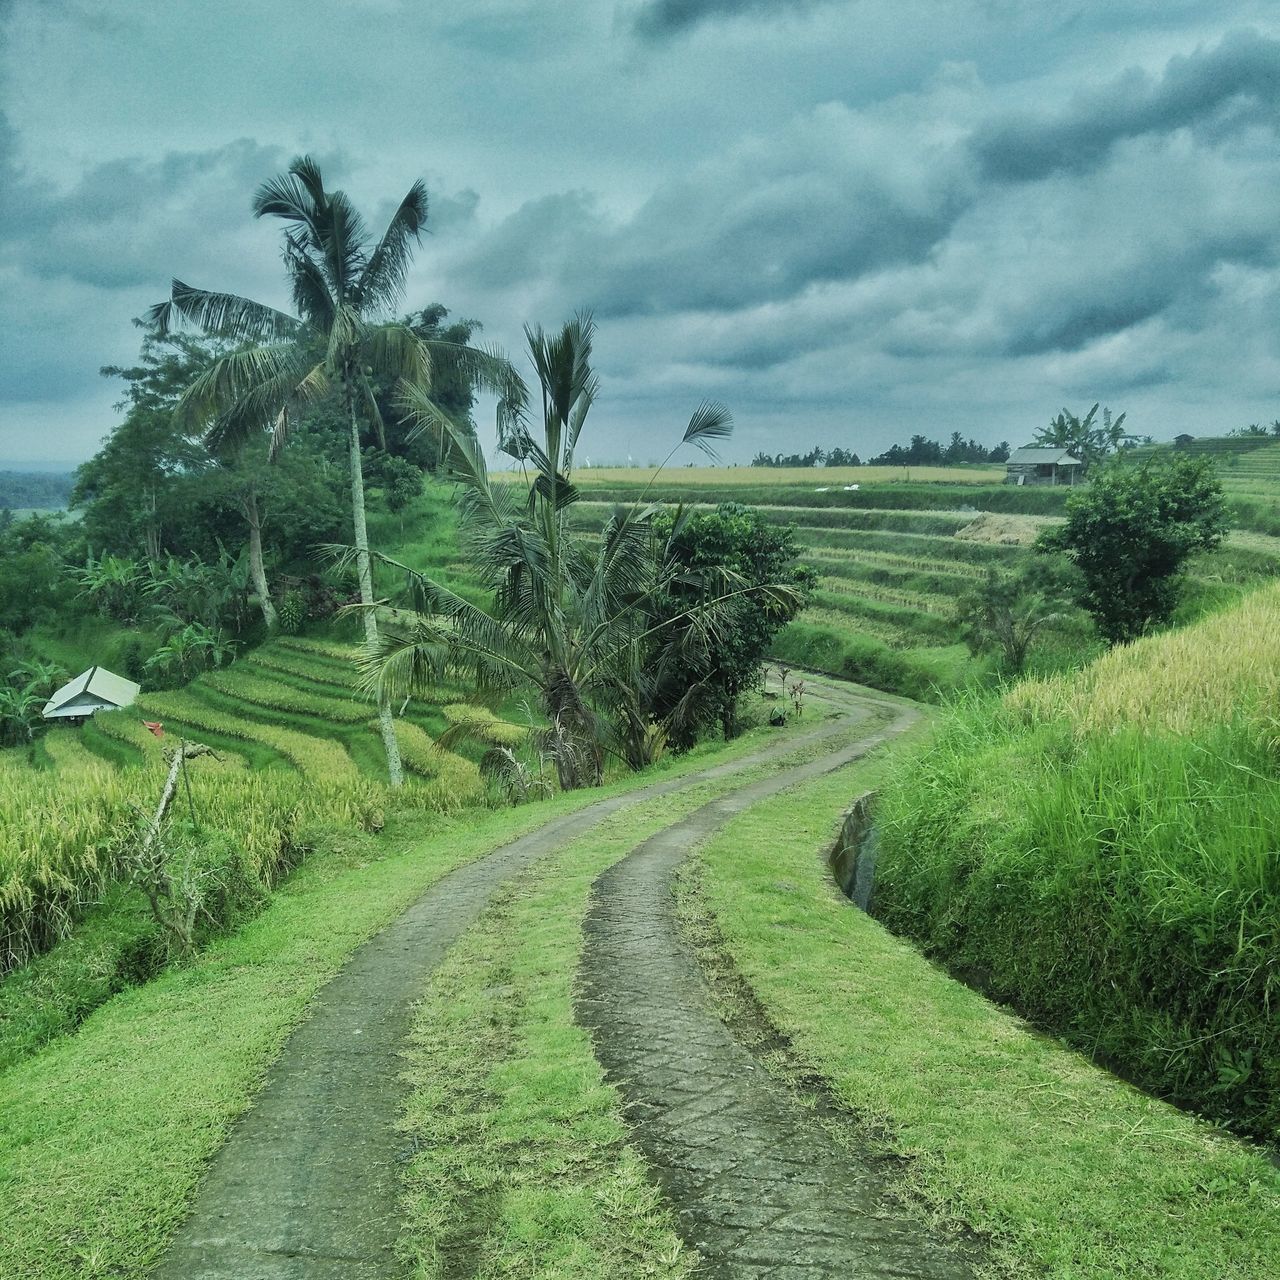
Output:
x=920 y=452
x=1255 y=431
x=47 y=491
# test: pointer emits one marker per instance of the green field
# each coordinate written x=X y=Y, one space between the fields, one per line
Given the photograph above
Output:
x=890 y=574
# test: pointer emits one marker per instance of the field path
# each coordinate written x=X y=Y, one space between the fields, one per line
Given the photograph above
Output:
x=759 y=1186
x=307 y=1183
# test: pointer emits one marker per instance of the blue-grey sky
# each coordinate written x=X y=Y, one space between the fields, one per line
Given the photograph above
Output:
x=851 y=220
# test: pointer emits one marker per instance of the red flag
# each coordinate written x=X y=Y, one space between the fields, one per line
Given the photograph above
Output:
x=155 y=726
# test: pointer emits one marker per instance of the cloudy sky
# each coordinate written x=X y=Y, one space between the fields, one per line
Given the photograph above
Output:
x=848 y=219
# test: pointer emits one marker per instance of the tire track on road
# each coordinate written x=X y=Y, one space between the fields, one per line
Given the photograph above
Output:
x=306 y=1185
x=759 y=1186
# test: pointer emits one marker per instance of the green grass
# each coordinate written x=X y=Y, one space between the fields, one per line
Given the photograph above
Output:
x=1100 y=850
x=1069 y=1172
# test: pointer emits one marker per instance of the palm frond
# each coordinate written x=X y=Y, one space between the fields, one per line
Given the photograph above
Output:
x=382 y=281
x=294 y=195
x=240 y=383
x=223 y=315
x=311 y=295
x=343 y=238
x=710 y=422
x=395 y=351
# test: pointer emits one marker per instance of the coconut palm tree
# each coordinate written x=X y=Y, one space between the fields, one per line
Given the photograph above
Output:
x=572 y=617
x=344 y=284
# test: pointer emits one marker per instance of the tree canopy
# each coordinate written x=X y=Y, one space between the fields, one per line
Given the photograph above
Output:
x=1130 y=532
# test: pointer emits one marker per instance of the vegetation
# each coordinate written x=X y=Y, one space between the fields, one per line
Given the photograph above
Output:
x=49 y=490
x=587 y=623
x=920 y=452
x=341 y=280
x=1099 y=850
x=1086 y=438
x=1130 y=533
x=1006 y=613
x=1065 y=1171
x=1095 y=847
x=706 y=683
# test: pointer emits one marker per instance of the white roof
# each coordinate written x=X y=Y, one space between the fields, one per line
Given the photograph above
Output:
x=97 y=683
x=1031 y=453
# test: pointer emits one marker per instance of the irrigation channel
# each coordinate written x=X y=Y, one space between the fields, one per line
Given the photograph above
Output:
x=307 y=1183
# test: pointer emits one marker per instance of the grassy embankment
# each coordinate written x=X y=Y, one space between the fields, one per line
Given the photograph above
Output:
x=1100 y=850
x=103 y=1134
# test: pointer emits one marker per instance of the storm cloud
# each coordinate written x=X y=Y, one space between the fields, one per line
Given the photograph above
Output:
x=849 y=221
x=1232 y=84
x=666 y=17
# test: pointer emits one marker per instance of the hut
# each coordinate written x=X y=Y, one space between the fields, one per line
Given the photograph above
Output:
x=94 y=690
x=1042 y=466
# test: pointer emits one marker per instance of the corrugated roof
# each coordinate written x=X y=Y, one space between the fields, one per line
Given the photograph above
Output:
x=98 y=682
x=1041 y=456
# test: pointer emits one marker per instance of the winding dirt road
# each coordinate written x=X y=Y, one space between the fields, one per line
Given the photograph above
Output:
x=306 y=1184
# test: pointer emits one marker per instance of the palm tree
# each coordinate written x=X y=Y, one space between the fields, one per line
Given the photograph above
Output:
x=342 y=283
x=572 y=617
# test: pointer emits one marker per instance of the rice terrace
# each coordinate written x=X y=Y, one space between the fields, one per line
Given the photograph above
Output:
x=757 y=756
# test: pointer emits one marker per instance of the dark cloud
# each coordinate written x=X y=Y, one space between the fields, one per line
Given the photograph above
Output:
x=127 y=223
x=1235 y=82
x=661 y=18
x=826 y=199
x=839 y=219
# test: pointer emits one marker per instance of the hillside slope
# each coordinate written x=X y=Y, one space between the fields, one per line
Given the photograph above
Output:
x=1100 y=850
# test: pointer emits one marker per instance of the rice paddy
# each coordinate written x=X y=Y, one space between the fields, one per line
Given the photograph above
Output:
x=296 y=745
x=890 y=576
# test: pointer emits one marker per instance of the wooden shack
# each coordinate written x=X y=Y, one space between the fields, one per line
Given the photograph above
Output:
x=1042 y=466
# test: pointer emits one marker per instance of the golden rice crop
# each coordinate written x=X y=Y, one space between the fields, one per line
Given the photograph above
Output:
x=317 y=758
x=60 y=828
x=453 y=780
x=1225 y=667
x=282 y=697
x=321 y=648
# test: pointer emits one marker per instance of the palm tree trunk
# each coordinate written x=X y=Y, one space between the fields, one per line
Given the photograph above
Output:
x=395 y=771
x=257 y=571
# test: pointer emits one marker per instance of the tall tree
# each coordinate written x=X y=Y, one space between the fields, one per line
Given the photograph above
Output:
x=572 y=616
x=343 y=283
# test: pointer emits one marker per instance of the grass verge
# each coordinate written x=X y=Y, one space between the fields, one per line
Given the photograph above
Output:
x=1070 y=1172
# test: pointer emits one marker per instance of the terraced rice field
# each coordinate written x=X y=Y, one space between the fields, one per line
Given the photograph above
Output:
x=296 y=744
x=893 y=577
